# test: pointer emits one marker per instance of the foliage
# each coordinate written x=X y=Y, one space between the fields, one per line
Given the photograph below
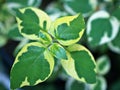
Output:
x=101 y=37
x=57 y=39
x=8 y=26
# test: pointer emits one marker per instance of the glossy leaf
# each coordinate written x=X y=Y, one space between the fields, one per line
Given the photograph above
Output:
x=80 y=64
x=33 y=64
x=68 y=30
x=31 y=21
x=58 y=51
x=106 y=27
x=84 y=6
x=103 y=65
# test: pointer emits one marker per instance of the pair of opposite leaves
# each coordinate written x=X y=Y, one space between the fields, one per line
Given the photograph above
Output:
x=35 y=62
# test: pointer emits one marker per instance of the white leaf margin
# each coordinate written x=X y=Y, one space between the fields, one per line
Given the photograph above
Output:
x=107 y=67
x=114 y=23
x=93 y=4
x=71 y=80
x=114 y=48
x=104 y=83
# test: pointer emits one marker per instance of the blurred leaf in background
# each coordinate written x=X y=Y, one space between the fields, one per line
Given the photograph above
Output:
x=103 y=65
x=16 y=4
x=72 y=84
x=86 y=7
x=115 y=85
x=101 y=28
x=101 y=84
x=114 y=45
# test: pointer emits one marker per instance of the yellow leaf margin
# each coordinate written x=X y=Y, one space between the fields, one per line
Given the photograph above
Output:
x=69 y=64
x=42 y=17
x=47 y=56
x=66 y=19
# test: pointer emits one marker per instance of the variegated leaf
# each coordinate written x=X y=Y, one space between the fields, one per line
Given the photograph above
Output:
x=100 y=84
x=17 y=4
x=31 y=21
x=84 y=6
x=80 y=64
x=114 y=45
x=103 y=65
x=73 y=84
x=45 y=38
x=101 y=28
x=68 y=30
x=33 y=64
x=58 y=51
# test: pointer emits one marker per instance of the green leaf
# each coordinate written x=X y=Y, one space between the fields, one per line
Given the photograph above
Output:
x=17 y=4
x=75 y=85
x=55 y=11
x=101 y=28
x=21 y=44
x=31 y=66
x=68 y=30
x=114 y=45
x=103 y=65
x=45 y=38
x=80 y=64
x=101 y=84
x=58 y=51
x=14 y=5
x=31 y=21
x=14 y=33
x=116 y=13
x=3 y=40
x=25 y=3
x=84 y=6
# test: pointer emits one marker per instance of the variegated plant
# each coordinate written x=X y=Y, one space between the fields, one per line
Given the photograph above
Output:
x=35 y=62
